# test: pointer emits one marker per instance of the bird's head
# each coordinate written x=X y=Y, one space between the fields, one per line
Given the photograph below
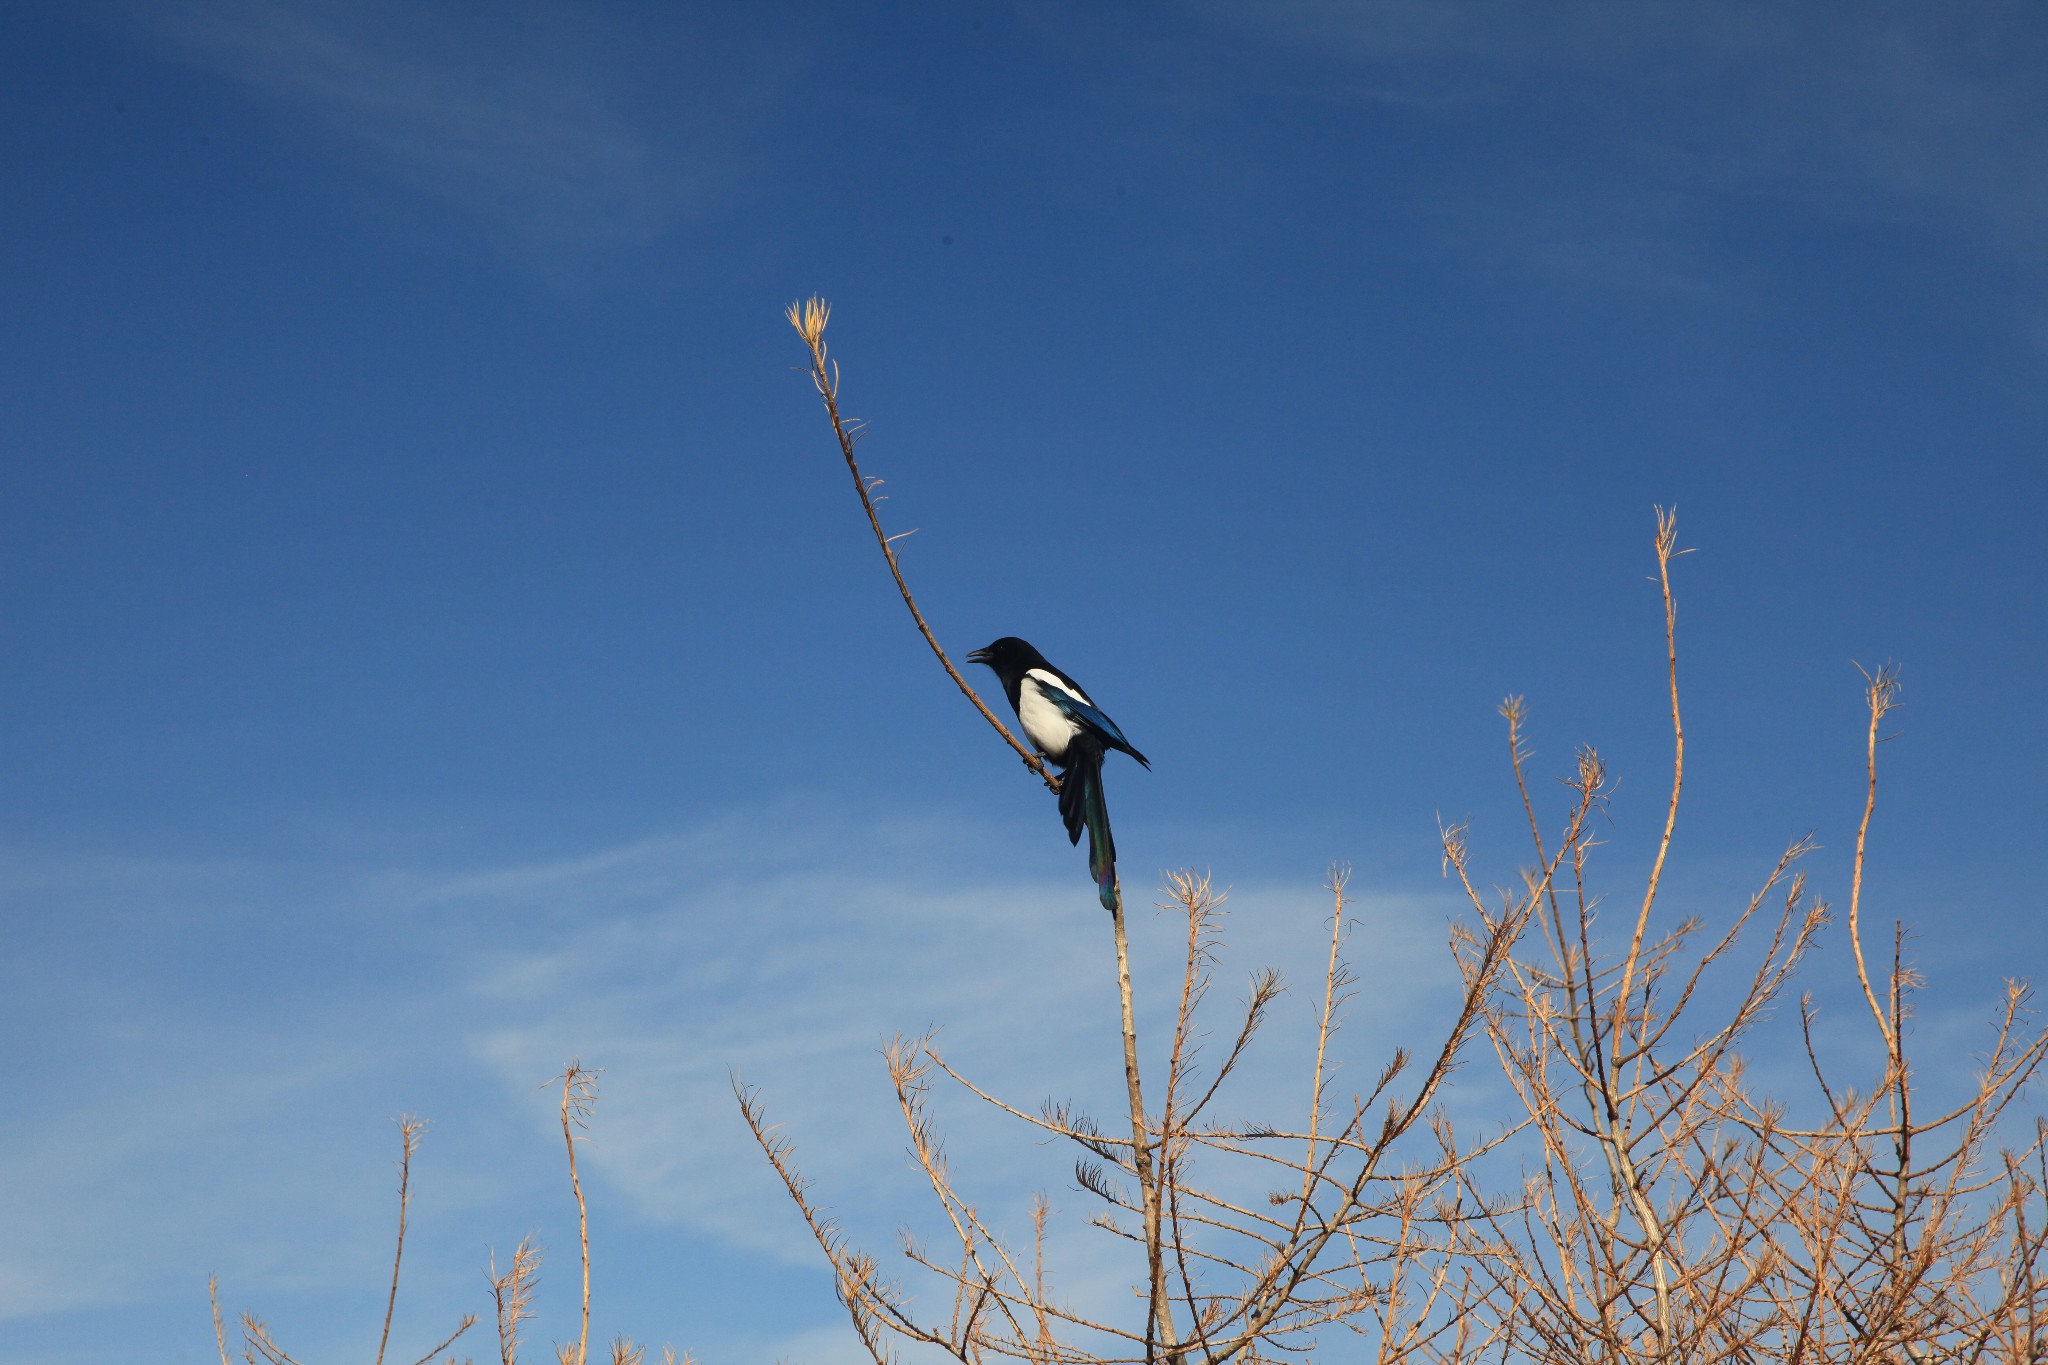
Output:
x=1008 y=656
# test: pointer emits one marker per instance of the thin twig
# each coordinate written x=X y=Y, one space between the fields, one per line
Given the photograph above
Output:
x=220 y=1335
x=809 y=320
x=1159 y=1329
x=1880 y=694
x=1667 y=541
x=468 y=1321
x=511 y=1293
x=579 y=1093
x=409 y=1130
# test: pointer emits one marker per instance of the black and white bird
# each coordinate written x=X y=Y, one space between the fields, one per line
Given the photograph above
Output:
x=1062 y=723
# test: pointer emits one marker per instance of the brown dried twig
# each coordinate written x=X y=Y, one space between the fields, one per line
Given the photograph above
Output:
x=809 y=319
x=1665 y=1210
x=220 y=1335
x=256 y=1338
x=579 y=1095
x=409 y=1130
x=1674 y=1214
x=512 y=1296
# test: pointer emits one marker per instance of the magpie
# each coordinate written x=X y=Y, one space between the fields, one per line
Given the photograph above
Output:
x=1063 y=724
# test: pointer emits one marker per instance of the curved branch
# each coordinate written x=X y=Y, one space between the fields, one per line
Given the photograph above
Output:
x=809 y=321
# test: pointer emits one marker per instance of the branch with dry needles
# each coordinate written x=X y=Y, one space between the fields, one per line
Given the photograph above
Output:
x=511 y=1290
x=1672 y=1212
x=1925 y=1251
x=1667 y=1209
x=579 y=1095
x=1290 y=1275
x=809 y=319
x=512 y=1295
x=1647 y=1208
x=1356 y=1237
x=257 y=1342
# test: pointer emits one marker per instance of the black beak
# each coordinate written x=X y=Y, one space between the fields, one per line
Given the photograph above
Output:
x=979 y=656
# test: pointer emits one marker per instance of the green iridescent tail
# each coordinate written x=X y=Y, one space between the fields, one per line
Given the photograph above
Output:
x=1082 y=807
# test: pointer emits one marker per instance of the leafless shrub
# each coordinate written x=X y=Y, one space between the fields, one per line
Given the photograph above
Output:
x=511 y=1289
x=579 y=1097
x=1670 y=1211
x=1352 y=1230
x=512 y=1295
x=257 y=1343
x=1665 y=1209
x=1659 y=1206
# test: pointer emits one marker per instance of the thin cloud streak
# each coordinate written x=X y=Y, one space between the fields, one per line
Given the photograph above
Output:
x=526 y=126
x=1887 y=114
x=245 y=1127
x=234 y=1123
x=806 y=975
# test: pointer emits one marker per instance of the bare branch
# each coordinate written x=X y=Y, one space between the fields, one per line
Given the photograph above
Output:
x=809 y=319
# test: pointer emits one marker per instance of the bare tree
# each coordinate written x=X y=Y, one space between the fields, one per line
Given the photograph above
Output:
x=511 y=1289
x=1670 y=1212
x=1359 y=1231
x=1643 y=1200
x=1655 y=1205
x=257 y=1342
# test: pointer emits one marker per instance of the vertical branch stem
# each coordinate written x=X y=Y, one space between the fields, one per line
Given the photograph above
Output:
x=1880 y=692
x=409 y=1142
x=576 y=1097
x=1339 y=879
x=809 y=319
x=1667 y=541
x=1159 y=1317
x=220 y=1334
x=1613 y=1130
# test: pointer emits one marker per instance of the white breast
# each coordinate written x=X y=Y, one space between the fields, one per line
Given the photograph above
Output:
x=1045 y=725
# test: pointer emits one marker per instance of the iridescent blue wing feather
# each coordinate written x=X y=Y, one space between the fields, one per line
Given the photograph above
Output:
x=1073 y=708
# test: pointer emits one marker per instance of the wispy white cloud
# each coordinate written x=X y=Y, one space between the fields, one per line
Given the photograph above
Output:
x=1663 y=117
x=181 y=1116
x=548 y=131
x=108 y=1177
x=812 y=971
x=189 y=1121
x=797 y=983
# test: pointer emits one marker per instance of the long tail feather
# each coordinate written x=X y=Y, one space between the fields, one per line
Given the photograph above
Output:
x=1082 y=807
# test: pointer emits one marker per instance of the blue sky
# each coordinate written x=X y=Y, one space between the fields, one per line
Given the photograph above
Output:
x=442 y=641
